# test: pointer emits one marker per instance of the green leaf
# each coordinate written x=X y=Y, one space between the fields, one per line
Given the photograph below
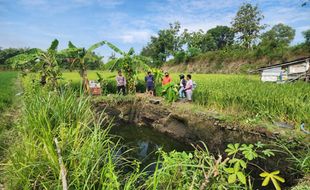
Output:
x=232 y=149
x=237 y=166
x=259 y=144
x=275 y=183
x=274 y=178
x=229 y=170
x=95 y=46
x=248 y=151
x=264 y=174
x=54 y=45
x=266 y=181
x=241 y=177
x=282 y=180
x=70 y=45
x=243 y=164
x=268 y=152
x=232 y=178
x=275 y=172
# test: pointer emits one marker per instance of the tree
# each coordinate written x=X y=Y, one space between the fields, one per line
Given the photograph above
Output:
x=164 y=44
x=247 y=24
x=200 y=40
x=276 y=40
x=83 y=58
x=130 y=64
x=222 y=35
x=45 y=62
x=306 y=35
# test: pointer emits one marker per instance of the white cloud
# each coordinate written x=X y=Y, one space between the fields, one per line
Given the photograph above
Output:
x=135 y=36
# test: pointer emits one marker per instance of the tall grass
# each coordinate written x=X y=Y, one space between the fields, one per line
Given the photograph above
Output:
x=245 y=94
x=88 y=153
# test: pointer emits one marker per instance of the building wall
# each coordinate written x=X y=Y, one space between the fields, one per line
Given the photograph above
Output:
x=271 y=75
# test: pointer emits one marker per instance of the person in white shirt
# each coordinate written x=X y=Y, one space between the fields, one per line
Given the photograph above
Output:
x=189 y=87
x=121 y=83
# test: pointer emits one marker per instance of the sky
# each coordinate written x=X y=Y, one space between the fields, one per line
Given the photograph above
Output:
x=128 y=23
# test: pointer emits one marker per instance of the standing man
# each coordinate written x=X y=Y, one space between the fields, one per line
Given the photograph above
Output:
x=121 y=83
x=189 y=87
x=182 y=86
x=149 y=80
x=167 y=79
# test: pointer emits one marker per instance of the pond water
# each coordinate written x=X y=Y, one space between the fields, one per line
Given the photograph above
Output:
x=145 y=141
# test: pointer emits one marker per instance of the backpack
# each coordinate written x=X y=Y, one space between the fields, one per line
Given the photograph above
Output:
x=194 y=85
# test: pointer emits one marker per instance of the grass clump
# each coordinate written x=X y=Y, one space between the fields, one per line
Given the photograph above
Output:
x=88 y=153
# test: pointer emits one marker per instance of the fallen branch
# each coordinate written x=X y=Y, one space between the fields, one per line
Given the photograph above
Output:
x=62 y=166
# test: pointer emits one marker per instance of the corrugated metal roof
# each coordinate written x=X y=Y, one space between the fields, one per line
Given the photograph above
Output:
x=296 y=61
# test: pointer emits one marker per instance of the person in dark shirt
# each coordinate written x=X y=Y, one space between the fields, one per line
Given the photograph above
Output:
x=182 y=86
x=149 y=80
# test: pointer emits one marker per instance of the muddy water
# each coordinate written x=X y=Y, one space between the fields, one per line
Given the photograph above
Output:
x=145 y=141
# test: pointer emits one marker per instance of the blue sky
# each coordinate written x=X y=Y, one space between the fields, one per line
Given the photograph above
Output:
x=127 y=23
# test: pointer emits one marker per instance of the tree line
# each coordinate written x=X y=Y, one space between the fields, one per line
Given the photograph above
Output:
x=244 y=34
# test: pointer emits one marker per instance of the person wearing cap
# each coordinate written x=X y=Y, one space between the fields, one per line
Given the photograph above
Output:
x=182 y=86
x=167 y=79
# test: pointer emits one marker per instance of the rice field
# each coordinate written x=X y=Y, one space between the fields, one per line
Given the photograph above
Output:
x=242 y=94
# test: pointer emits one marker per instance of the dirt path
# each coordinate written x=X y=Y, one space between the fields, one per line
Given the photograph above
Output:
x=8 y=120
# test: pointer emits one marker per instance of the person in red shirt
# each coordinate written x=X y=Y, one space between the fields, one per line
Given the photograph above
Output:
x=167 y=79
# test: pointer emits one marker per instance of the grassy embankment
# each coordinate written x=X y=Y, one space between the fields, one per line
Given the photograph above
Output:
x=243 y=97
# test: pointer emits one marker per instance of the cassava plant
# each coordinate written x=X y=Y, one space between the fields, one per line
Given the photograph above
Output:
x=242 y=156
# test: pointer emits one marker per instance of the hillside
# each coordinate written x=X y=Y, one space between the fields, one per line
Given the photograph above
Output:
x=231 y=61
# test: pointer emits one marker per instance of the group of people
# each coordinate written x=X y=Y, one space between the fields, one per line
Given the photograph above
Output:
x=185 y=90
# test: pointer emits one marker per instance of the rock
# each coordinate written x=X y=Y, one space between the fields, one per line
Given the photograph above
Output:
x=283 y=125
x=276 y=133
x=154 y=101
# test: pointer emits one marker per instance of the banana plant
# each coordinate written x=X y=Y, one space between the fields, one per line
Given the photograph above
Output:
x=80 y=57
x=170 y=92
x=43 y=62
x=130 y=64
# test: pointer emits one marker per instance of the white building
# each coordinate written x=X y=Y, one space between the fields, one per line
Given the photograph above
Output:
x=286 y=72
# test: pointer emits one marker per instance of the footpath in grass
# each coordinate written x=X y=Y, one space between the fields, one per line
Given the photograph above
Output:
x=7 y=90
x=8 y=112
